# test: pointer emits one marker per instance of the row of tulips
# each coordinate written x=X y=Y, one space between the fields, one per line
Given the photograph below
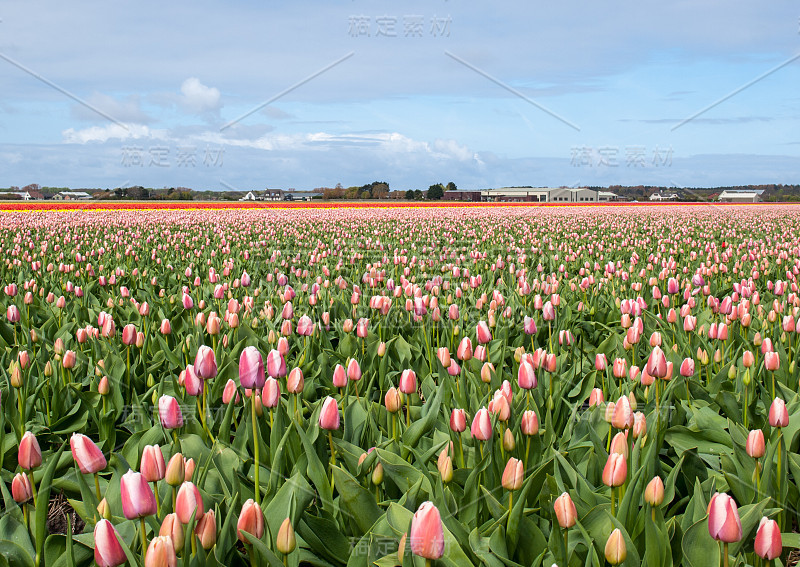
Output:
x=502 y=387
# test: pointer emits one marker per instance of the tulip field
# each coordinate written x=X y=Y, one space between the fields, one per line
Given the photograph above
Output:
x=464 y=385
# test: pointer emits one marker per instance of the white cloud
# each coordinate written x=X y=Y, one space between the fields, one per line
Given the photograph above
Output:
x=127 y=109
x=199 y=98
x=109 y=132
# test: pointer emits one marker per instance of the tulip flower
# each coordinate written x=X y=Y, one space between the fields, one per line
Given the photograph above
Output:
x=458 y=420
x=21 y=488
x=107 y=550
x=654 y=492
x=29 y=455
x=161 y=553
x=276 y=364
x=206 y=530
x=723 y=520
x=175 y=473
x=189 y=501
x=251 y=520
x=169 y=412
x=778 y=414
x=426 y=537
x=173 y=528
x=230 y=393
x=251 y=369
x=138 y=500
x=481 y=425
x=286 y=541
x=768 y=544
x=464 y=351
x=615 y=550
x=408 y=382
x=526 y=376
x=755 y=446
x=566 y=514
x=329 y=415
x=615 y=473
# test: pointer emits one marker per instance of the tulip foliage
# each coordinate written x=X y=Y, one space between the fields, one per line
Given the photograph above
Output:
x=499 y=386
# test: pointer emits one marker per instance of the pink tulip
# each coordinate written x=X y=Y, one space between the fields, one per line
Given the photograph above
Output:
x=482 y=332
x=251 y=369
x=29 y=455
x=755 y=446
x=107 y=550
x=152 y=466
x=305 y=326
x=426 y=537
x=205 y=363
x=276 y=364
x=138 y=499
x=596 y=397
x=464 y=351
x=353 y=370
x=778 y=414
x=87 y=455
x=21 y=489
x=458 y=420
x=529 y=424
x=615 y=471
x=408 y=382
x=723 y=519
x=481 y=425
x=768 y=544
x=161 y=553
x=251 y=520
x=271 y=394
x=129 y=334
x=772 y=361
x=526 y=376
x=687 y=368
x=329 y=415
x=339 y=377
x=169 y=412
x=295 y=381
x=657 y=363
x=189 y=501
x=192 y=382
x=529 y=326
x=566 y=514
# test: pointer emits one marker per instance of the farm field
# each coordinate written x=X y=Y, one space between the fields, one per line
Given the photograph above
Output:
x=399 y=384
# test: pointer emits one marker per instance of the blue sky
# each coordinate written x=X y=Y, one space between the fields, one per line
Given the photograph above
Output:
x=485 y=94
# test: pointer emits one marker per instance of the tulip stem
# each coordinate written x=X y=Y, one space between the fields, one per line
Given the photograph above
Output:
x=613 y=504
x=725 y=554
x=128 y=366
x=155 y=491
x=97 y=487
x=566 y=546
x=25 y=514
x=144 y=538
x=21 y=412
x=255 y=446
x=333 y=456
x=461 y=450
x=745 y=406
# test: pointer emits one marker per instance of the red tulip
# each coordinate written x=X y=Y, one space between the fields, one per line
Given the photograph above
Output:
x=723 y=519
x=138 y=499
x=87 y=455
x=107 y=550
x=426 y=537
x=251 y=369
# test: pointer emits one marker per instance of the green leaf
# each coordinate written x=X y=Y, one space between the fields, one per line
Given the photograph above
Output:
x=355 y=500
x=43 y=499
x=699 y=549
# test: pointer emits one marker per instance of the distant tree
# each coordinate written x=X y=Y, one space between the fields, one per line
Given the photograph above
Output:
x=410 y=195
x=418 y=195
x=435 y=192
x=32 y=187
x=352 y=192
x=380 y=191
x=452 y=186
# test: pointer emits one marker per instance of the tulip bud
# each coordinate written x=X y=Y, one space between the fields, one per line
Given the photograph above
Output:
x=755 y=446
x=173 y=528
x=377 y=474
x=513 y=474
x=654 y=492
x=206 y=530
x=286 y=541
x=175 y=471
x=615 y=550
x=508 y=440
x=392 y=400
x=566 y=514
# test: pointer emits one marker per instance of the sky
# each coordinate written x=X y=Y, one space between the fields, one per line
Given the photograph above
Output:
x=307 y=94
